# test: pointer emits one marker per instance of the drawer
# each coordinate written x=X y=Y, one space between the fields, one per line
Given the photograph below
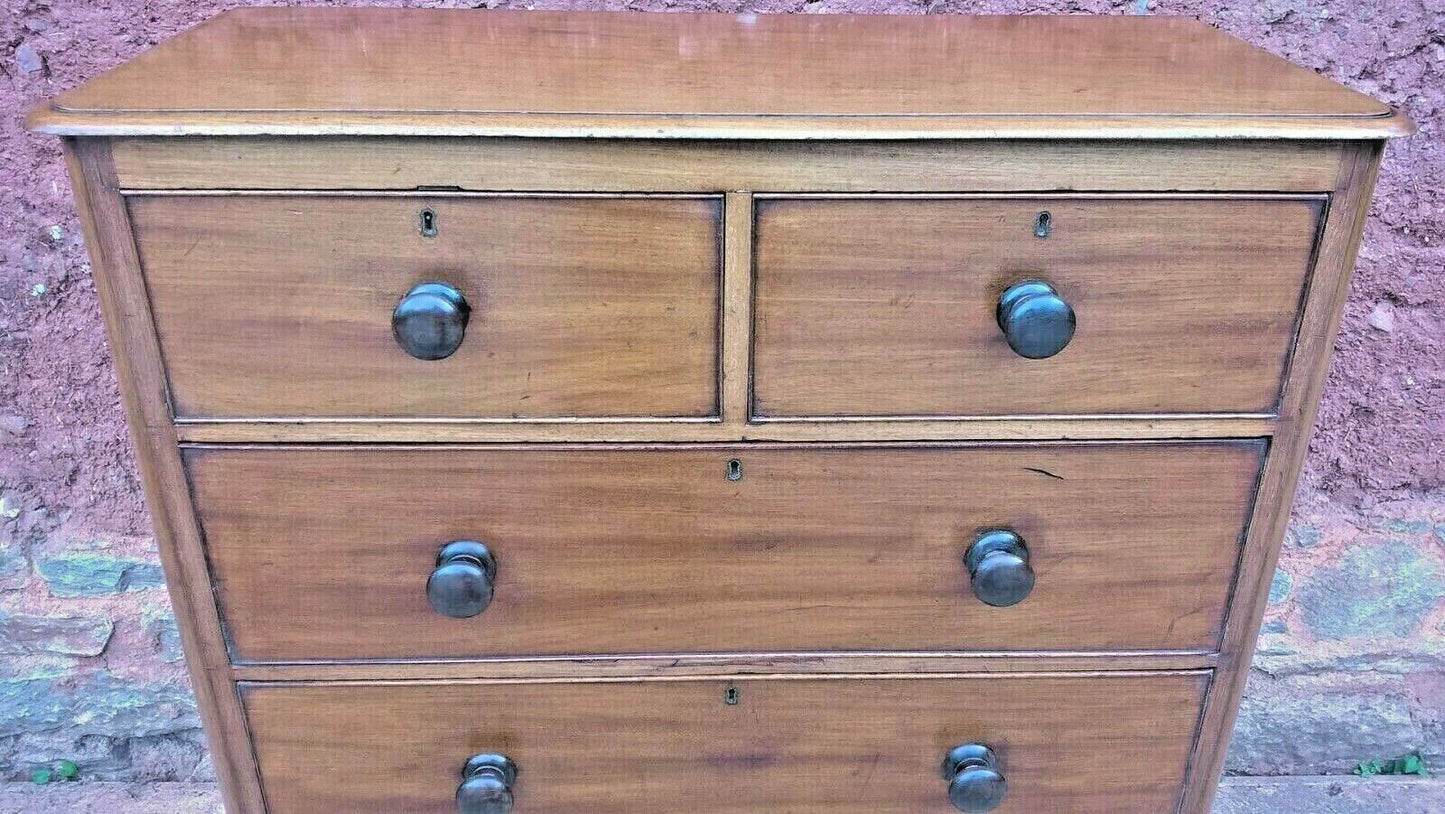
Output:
x=890 y=306
x=329 y=553
x=282 y=305
x=1079 y=744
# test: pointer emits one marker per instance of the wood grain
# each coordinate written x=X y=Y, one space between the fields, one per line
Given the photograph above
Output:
x=123 y=305
x=737 y=306
x=290 y=124
x=1339 y=244
x=652 y=165
x=834 y=746
x=586 y=306
x=414 y=72
x=1002 y=428
x=324 y=553
x=885 y=305
x=691 y=666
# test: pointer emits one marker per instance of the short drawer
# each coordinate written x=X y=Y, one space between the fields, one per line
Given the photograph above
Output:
x=888 y=306
x=343 y=553
x=1106 y=744
x=575 y=306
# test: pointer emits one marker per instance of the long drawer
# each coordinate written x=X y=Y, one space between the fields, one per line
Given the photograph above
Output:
x=341 y=553
x=1107 y=744
x=554 y=306
x=890 y=306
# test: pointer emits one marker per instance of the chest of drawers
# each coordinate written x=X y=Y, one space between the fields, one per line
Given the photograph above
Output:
x=574 y=412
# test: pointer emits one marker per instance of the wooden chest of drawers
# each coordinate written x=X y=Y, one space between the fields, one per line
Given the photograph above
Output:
x=667 y=413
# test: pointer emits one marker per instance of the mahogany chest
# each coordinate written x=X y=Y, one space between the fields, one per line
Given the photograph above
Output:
x=668 y=413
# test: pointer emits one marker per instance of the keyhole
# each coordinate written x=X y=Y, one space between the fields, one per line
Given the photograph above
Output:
x=1043 y=224
x=735 y=470
x=732 y=696
x=428 y=223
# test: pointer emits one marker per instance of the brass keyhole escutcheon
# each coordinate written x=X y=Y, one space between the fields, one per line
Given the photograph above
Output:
x=1043 y=225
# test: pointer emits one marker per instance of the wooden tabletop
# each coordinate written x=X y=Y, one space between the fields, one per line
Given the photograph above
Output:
x=454 y=72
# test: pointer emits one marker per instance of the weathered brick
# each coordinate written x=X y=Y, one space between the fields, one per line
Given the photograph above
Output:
x=166 y=757
x=1303 y=536
x=1274 y=626
x=205 y=771
x=1280 y=586
x=1378 y=589
x=98 y=757
x=161 y=628
x=28 y=635
x=1282 y=656
x=14 y=568
x=28 y=704
x=89 y=568
x=1307 y=725
x=102 y=704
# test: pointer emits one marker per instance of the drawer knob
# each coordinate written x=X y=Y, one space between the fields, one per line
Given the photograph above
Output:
x=974 y=782
x=430 y=321
x=461 y=585
x=1034 y=319
x=487 y=785
x=998 y=568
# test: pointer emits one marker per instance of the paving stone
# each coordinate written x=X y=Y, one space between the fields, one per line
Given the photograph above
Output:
x=1330 y=795
x=110 y=798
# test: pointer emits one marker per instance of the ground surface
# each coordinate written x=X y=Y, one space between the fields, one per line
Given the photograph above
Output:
x=1238 y=795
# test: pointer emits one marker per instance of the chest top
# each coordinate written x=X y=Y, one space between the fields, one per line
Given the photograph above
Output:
x=424 y=72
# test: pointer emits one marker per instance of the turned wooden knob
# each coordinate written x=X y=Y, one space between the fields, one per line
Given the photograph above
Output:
x=461 y=585
x=486 y=785
x=974 y=782
x=431 y=321
x=1035 y=320
x=998 y=568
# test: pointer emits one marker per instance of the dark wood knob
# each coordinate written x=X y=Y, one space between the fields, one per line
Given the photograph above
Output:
x=1034 y=319
x=461 y=585
x=486 y=785
x=998 y=568
x=431 y=321
x=974 y=782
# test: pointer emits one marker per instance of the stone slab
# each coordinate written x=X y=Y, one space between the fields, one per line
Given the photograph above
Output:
x=1237 y=795
x=110 y=798
x=1331 y=795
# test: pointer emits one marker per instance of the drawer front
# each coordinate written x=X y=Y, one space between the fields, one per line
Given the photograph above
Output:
x=1078 y=744
x=282 y=305
x=327 y=553
x=889 y=306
